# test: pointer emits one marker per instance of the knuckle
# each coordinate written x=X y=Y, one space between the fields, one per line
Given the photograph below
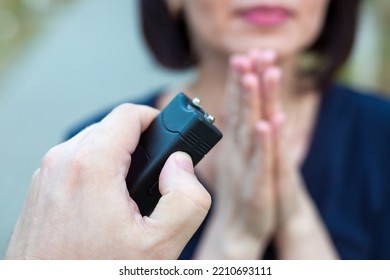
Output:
x=52 y=157
x=125 y=107
x=77 y=168
x=204 y=199
x=78 y=162
x=75 y=172
x=198 y=198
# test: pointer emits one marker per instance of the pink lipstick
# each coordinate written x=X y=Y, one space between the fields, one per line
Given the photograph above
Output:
x=266 y=16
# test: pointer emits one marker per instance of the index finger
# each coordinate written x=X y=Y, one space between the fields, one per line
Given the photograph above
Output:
x=121 y=129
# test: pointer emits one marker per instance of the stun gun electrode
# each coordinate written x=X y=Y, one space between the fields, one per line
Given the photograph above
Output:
x=182 y=126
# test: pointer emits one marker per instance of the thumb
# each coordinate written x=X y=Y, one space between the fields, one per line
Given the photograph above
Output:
x=184 y=202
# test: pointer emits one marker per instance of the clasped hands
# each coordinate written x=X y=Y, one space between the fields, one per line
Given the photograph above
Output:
x=259 y=191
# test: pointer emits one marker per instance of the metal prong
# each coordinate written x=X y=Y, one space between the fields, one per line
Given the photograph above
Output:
x=209 y=118
x=196 y=101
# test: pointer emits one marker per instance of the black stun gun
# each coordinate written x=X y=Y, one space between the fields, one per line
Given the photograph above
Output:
x=184 y=126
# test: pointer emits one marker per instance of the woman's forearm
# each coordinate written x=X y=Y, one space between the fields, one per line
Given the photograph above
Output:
x=225 y=242
x=304 y=235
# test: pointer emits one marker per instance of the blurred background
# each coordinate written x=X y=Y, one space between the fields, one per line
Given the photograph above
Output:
x=63 y=60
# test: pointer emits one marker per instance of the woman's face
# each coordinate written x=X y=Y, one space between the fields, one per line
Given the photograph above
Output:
x=235 y=26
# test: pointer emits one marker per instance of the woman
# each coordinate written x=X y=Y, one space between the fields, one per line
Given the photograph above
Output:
x=303 y=170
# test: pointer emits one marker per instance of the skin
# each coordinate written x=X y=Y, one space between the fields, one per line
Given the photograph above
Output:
x=267 y=126
x=78 y=205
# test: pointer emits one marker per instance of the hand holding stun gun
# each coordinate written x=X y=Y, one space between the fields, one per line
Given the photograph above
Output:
x=184 y=126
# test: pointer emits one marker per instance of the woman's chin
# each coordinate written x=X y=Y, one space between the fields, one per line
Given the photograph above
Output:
x=281 y=51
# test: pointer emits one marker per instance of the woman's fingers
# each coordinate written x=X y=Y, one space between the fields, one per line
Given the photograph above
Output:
x=281 y=154
x=264 y=65
x=272 y=81
x=286 y=176
x=261 y=161
x=262 y=59
x=249 y=113
x=259 y=198
x=251 y=98
x=239 y=65
x=263 y=153
x=243 y=104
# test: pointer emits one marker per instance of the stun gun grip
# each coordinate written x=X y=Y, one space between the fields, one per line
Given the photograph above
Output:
x=182 y=126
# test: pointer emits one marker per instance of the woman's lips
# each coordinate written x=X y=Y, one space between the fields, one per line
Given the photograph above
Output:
x=266 y=16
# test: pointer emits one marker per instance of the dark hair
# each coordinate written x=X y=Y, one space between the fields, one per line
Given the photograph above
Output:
x=168 y=39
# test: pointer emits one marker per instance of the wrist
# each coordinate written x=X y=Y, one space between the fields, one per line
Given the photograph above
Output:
x=225 y=241
x=305 y=236
x=300 y=219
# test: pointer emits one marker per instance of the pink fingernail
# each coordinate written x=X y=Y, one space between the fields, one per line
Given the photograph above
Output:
x=249 y=81
x=262 y=126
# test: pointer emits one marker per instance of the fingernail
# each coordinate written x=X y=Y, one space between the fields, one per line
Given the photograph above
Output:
x=184 y=161
x=239 y=64
x=249 y=82
x=262 y=126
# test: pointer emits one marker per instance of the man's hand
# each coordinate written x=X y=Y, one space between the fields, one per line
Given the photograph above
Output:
x=78 y=206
